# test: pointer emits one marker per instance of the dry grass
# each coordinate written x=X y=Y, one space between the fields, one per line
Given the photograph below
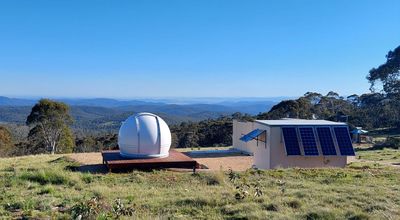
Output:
x=43 y=186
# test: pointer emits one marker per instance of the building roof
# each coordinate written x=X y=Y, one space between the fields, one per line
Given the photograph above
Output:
x=297 y=122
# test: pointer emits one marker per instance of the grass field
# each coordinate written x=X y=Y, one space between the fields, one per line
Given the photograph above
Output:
x=45 y=186
x=389 y=156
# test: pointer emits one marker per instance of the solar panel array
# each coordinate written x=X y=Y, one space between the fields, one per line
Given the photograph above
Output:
x=252 y=135
x=291 y=141
x=326 y=141
x=344 y=142
x=310 y=138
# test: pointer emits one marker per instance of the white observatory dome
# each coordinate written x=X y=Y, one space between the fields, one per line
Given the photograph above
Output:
x=144 y=135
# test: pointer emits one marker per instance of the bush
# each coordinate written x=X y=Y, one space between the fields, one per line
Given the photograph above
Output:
x=392 y=142
x=86 y=209
x=120 y=209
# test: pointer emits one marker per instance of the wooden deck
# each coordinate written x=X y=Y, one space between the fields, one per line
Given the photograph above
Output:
x=176 y=159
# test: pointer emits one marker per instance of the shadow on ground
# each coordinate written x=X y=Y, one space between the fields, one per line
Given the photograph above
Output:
x=215 y=153
x=92 y=168
x=102 y=169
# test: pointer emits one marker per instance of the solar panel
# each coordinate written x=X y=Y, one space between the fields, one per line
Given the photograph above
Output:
x=343 y=139
x=308 y=141
x=291 y=141
x=326 y=141
x=253 y=134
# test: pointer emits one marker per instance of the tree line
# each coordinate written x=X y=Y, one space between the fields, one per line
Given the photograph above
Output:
x=50 y=121
x=378 y=109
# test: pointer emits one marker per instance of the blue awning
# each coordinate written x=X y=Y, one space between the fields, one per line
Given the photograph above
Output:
x=252 y=135
x=359 y=131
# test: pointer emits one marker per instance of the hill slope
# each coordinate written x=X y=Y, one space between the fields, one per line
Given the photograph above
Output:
x=46 y=186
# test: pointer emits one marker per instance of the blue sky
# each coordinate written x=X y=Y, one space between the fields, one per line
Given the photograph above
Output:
x=199 y=48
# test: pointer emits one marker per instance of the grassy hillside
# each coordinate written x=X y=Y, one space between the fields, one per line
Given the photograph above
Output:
x=44 y=185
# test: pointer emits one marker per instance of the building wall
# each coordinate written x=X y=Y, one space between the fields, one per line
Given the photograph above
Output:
x=262 y=154
x=240 y=129
x=272 y=154
x=279 y=159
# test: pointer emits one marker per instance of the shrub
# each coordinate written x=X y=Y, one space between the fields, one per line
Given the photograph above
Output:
x=392 y=142
x=119 y=209
x=86 y=209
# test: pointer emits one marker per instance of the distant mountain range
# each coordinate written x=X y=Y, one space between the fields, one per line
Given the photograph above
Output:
x=101 y=102
x=244 y=105
x=107 y=114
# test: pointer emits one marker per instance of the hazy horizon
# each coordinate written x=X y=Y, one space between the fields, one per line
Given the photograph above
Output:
x=169 y=100
x=148 y=97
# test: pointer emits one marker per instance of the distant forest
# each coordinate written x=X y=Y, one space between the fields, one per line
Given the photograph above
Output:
x=378 y=109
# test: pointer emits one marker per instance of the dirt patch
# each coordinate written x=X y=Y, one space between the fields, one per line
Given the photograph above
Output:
x=87 y=158
x=237 y=163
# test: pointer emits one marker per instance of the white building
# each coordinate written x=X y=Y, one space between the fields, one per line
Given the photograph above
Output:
x=294 y=142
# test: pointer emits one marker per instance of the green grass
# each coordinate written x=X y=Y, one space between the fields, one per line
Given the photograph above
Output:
x=45 y=177
x=384 y=155
x=45 y=186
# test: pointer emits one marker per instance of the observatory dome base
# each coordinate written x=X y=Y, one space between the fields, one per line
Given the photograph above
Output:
x=143 y=156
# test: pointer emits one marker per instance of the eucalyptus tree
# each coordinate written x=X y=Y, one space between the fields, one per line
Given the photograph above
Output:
x=388 y=74
x=49 y=122
x=6 y=141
